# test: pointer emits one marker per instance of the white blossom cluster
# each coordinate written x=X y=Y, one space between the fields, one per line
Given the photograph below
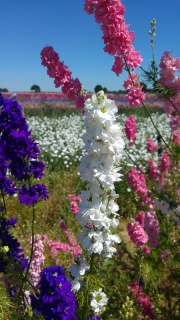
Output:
x=99 y=300
x=99 y=167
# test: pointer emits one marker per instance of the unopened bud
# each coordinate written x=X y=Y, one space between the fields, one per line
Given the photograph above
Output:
x=100 y=96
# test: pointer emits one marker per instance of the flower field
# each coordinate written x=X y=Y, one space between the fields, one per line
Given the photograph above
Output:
x=61 y=145
x=45 y=100
x=90 y=189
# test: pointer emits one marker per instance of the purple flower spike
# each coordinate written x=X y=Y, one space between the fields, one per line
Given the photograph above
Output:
x=55 y=299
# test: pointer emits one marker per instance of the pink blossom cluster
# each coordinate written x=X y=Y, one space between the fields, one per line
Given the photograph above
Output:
x=135 y=94
x=74 y=205
x=176 y=137
x=151 y=146
x=138 y=182
x=55 y=246
x=151 y=226
x=136 y=230
x=168 y=67
x=165 y=255
x=62 y=76
x=165 y=163
x=116 y=36
x=37 y=258
x=153 y=171
x=130 y=129
x=70 y=238
x=143 y=300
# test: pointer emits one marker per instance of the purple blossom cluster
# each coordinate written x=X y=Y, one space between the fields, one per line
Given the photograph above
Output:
x=18 y=154
x=14 y=253
x=55 y=300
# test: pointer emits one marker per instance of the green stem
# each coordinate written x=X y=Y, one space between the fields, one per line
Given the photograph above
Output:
x=155 y=126
x=129 y=72
x=174 y=106
x=31 y=255
x=91 y=263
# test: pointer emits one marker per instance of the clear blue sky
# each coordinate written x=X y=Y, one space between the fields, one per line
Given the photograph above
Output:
x=29 y=25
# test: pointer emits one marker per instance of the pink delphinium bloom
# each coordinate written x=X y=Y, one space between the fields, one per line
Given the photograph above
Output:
x=176 y=138
x=151 y=226
x=117 y=39
x=175 y=122
x=153 y=170
x=120 y=253
x=71 y=239
x=140 y=218
x=165 y=163
x=165 y=255
x=130 y=81
x=143 y=300
x=130 y=128
x=74 y=207
x=136 y=96
x=138 y=182
x=118 y=65
x=37 y=259
x=136 y=230
x=151 y=146
x=55 y=246
x=74 y=204
x=146 y=250
x=168 y=67
x=74 y=197
x=62 y=76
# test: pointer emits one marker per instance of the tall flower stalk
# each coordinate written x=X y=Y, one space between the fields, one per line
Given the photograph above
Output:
x=98 y=210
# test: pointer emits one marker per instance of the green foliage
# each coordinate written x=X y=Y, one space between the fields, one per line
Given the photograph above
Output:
x=3 y=90
x=162 y=91
x=97 y=88
x=6 y=305
x=35 y=88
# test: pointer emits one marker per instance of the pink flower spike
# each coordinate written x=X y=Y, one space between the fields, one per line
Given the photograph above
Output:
x=130 y=128
x=74 y=207
x=136 y=96
x=62 y=225
x=62 y=76
x=153 y=170
x=151 y=146
x=118 y=65
x=137 y=234
x=120 y=253
x=165 y=255
x=176 y=138
x=165 y=163
x=140 y=218
x=133 y=79
x=146 y=250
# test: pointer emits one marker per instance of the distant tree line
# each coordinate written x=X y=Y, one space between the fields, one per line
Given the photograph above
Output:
x=35 y=88
x=98 y=87
x=3 y=90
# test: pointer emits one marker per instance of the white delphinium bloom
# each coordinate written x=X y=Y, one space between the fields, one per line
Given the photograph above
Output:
x=100 y=167
x=77 y=272
x=99 y=300
x=104 y=149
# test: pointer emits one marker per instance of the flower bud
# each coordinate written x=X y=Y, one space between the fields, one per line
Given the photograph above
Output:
x=100 y=96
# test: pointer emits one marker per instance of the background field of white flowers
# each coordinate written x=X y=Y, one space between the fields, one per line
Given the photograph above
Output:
x=61 y=145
